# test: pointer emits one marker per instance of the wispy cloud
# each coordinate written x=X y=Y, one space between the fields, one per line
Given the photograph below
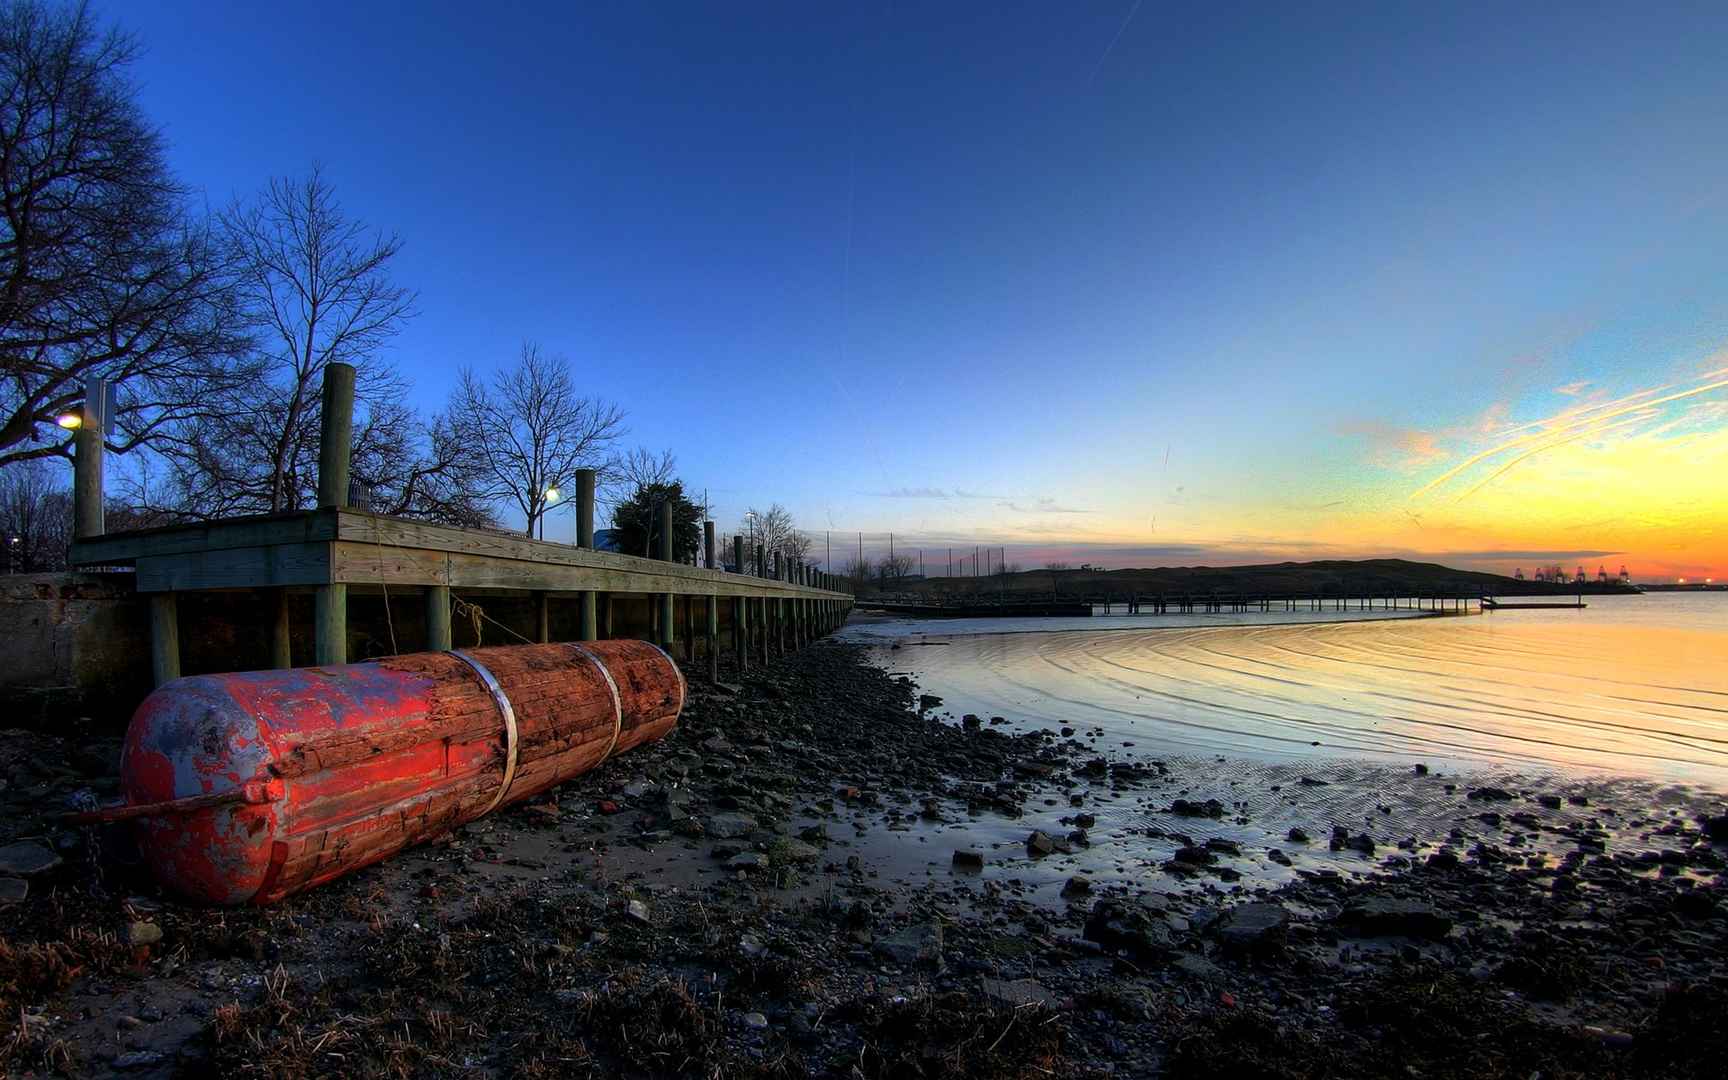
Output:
x=1396 y=447
x=1573 y=389
x=1517 y=444
x=930 y=493
x=1526 y=553
x=1040 y=505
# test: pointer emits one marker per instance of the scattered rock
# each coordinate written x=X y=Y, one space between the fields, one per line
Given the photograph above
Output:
x=915 y=946
x=968 y=860
x=1297 y=836
x=755 y=1020
x=140 y=933
x=1077 y=886
x=139 y=1059
x=1040 y=844
x=1253 y=927
x=729 y=826
x=1391 y=917
x=1211 y=808
x=1017 y=993
x=1116 y=924
x=27 y=859
x=637 y=912
x=1490 y=794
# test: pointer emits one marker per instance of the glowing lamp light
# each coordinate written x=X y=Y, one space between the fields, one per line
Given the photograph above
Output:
x=71 y=420
x=551 y=494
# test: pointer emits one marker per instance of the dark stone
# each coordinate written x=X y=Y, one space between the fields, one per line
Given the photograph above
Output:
x=1116 y=924
x=1194 y=856
x=1490 y=794
x=968 y=860
x=915 y=946
x=1211 y=808
x=1253 y=927
x=27 y=859
x=1297 y=836
x=1391 y=917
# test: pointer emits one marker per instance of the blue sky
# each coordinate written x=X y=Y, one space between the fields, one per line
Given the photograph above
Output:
x=1197 y=284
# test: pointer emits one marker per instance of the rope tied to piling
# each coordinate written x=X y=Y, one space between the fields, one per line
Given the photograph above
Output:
x=476 y=615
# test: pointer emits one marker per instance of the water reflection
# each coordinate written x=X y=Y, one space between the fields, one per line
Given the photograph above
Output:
x=1633 y=685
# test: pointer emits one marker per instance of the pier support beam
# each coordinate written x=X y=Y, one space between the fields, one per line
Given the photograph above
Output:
x=336 y=438
x=438 y=635
x=740 y=623
x=665 y=552
x=712 y=643
x=87 y=514
x=585 y=540
x=545 y=605
x=281 y=642
x=164 y=637
x=330 y=625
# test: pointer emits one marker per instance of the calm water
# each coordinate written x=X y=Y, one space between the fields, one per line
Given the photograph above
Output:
x=1635 y=685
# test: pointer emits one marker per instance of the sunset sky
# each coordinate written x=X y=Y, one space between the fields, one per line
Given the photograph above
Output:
x=1139 y=284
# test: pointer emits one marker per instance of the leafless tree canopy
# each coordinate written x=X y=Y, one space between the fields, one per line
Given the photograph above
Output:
x=775 y=529
x=101 y=272
x=530 y=430
x=317 y=286
x=35 y=518
x=641 y=468
x=892 y=569
x=1058 y=566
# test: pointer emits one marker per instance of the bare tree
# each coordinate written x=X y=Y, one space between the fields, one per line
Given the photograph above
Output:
x=628 y=474
x=102 y=273
x=775 y=530
x=35 y=518
x=1058 y=565
x=530 y=430
x=317 y=285
x=859 y=572
x=893 y=569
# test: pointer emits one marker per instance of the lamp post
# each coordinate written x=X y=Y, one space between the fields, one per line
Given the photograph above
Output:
x=551 y=497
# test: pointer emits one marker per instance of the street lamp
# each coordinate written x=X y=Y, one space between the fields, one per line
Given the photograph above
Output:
x=551 y=497
x=71 y=420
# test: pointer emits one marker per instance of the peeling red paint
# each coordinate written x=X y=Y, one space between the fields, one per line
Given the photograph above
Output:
x=343 y=766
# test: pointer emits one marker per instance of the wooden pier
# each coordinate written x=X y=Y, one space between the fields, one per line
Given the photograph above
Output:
x=334 y=549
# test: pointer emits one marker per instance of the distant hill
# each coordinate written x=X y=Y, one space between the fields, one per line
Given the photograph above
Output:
x=1360 y=577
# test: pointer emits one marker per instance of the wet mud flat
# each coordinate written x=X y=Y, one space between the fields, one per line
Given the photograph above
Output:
x=821 y=873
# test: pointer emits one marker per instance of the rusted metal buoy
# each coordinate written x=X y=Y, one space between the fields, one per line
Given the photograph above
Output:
x=254 y=785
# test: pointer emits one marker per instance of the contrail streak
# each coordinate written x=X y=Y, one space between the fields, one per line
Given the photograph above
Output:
x=1533 y=451
x=1575 y=421
x=1110 y=48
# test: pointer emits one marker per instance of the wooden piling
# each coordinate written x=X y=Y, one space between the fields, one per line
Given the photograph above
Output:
x=666 y=612
x=335 y=443
x=164 y=637
x=438 y=636
x=712 y=641
x=87 y=513
x=545 y=605
x=281 y=643
x=740 y=618
x=585 y=539
x=335 y=440
x=330 y=625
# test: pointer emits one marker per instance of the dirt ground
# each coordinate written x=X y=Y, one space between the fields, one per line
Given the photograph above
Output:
x=814 y=875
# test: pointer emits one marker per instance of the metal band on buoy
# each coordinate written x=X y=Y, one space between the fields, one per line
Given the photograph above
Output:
x=617 y=699
x=509 y=714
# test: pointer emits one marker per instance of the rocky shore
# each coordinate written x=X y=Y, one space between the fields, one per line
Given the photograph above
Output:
x=822 y=873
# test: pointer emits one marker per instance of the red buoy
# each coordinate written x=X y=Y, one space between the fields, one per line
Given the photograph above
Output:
x=254 y=785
